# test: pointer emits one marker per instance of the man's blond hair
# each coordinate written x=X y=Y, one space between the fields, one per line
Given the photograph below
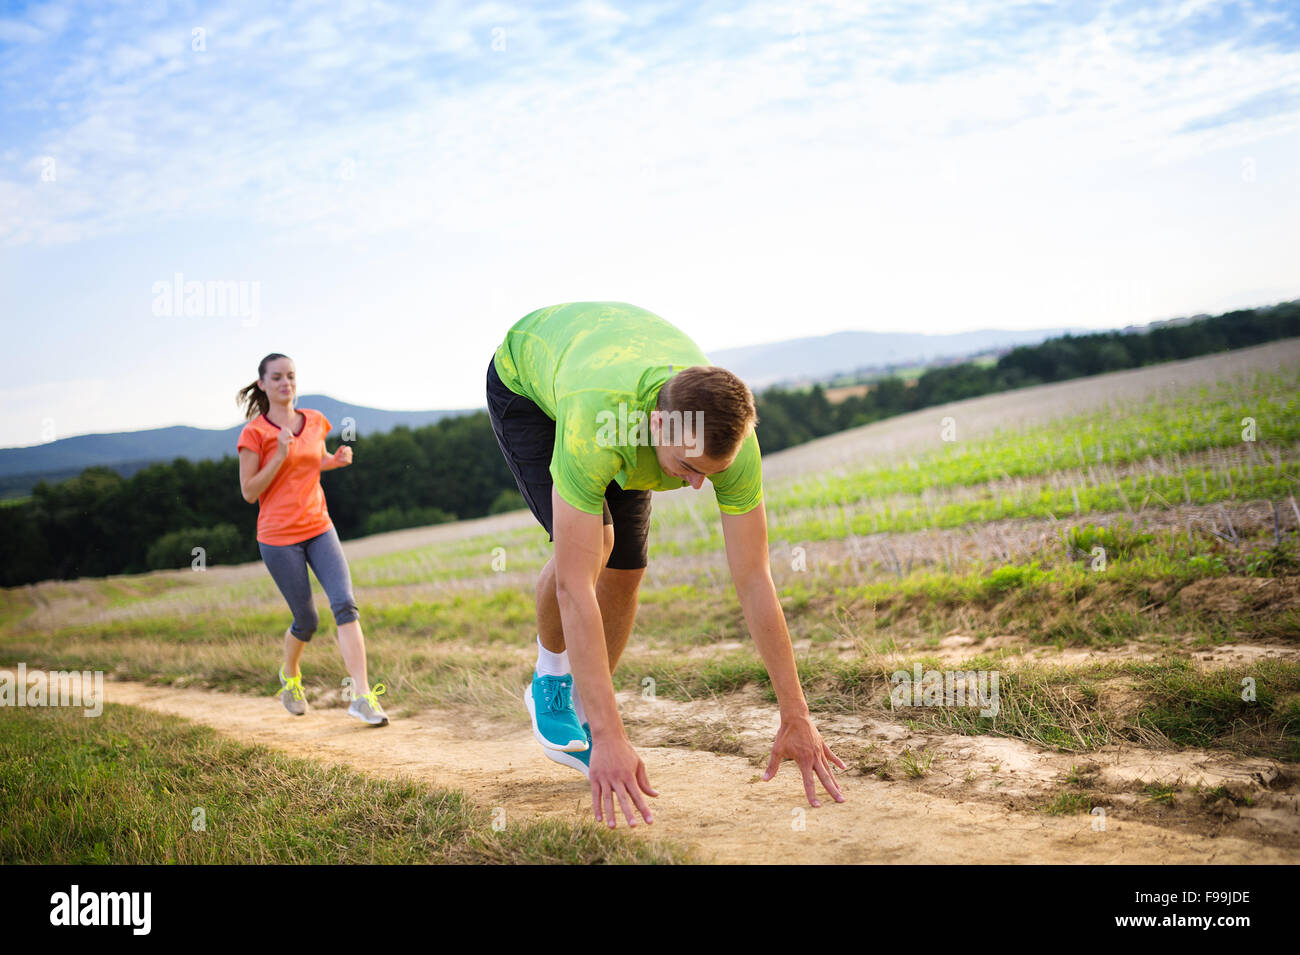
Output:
x=720 y=401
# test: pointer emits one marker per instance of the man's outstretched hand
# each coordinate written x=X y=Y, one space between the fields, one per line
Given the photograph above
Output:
x=799 y=740
x=617 y=771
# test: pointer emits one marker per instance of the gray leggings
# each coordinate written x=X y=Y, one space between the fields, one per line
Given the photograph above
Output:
x=288 y=567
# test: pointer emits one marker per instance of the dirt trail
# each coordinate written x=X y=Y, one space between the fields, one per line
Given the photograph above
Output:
x=711 y=801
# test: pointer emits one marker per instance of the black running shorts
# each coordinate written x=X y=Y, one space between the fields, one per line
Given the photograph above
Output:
x=526 y=435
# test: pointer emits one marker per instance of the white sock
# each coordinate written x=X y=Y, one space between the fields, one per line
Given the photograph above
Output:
x=551 y=664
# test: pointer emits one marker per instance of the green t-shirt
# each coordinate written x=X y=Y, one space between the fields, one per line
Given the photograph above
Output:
x=596 y=369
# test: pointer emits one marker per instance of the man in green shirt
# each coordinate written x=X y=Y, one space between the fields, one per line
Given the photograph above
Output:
x=595 y=405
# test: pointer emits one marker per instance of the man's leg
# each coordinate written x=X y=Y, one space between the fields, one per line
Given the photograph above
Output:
x=617 y=589
x=550 y=629
x=617 y=592
x=619 y=583
x=526 y=436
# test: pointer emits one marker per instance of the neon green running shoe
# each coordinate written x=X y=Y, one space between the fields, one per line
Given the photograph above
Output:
x=292 y=695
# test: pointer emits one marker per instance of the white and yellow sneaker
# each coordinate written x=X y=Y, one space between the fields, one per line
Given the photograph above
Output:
x=292 y=695
x=365 y=706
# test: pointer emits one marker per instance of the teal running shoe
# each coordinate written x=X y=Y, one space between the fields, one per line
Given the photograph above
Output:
x=579 y=761
x=550 y=706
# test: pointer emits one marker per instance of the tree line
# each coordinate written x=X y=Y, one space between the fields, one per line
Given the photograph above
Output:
x=788 y=416
x=100 y=523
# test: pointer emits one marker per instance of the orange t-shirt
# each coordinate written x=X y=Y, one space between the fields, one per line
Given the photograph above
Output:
x=292 y=508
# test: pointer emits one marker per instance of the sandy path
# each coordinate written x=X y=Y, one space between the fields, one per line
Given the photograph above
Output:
x=710 y=801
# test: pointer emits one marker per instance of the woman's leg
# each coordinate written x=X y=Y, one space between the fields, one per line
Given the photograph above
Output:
x=293 y=648
x=352 y=644
x=325 y=554
x=288 y=567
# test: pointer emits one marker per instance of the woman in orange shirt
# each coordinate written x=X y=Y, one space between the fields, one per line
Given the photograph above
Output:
x=281 y=455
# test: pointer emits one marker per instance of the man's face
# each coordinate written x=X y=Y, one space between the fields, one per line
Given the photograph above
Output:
x=679 y=453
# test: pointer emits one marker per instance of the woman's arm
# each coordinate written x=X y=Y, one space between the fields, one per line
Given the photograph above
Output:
x=339 y=459
x=253 y=482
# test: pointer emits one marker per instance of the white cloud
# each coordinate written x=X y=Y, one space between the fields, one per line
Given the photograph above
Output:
x=555 y=121
x=914 y=165
x=14 y=31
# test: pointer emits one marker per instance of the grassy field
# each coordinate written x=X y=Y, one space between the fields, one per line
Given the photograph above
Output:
x=1127 y=568
x=137 y=788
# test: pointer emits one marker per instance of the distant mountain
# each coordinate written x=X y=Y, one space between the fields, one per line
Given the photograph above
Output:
x=128 y=452
x=825 y=356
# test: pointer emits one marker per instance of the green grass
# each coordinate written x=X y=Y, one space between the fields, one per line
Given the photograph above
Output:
x=1173 y=703
x=1079 y=777
x=916 y=765
x=866 y=515
x=1157 y=792
x=1114 y=458
x=123 y=591
x=525 y=549
x=1193 y=421
x=122 y=789
x=1119 y=540
x=1069 y=804
x=473 y=647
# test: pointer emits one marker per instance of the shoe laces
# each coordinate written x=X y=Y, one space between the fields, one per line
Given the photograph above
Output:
x=292 y=684
x=373 y=696
x=558 y=688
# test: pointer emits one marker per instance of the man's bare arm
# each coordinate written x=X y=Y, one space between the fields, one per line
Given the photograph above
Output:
x=751 y=572
x=579 y=549
x=615 y=769
x=746 y=542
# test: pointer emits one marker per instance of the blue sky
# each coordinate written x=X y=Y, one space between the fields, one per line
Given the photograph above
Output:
x=400 y=182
